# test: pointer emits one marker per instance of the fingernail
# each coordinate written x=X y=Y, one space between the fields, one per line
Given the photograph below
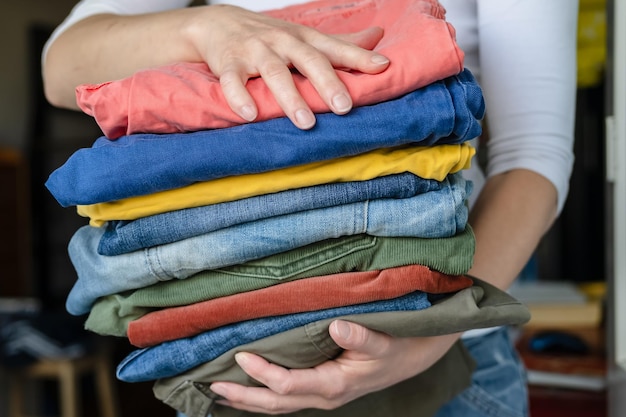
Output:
x=241 y=358
x=219 y=389
x=379 y=59
x=343 y=329
x=342 y=103
x=248 y=112
x=305 y=118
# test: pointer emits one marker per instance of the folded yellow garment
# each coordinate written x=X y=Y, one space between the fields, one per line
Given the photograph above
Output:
x=432 y=162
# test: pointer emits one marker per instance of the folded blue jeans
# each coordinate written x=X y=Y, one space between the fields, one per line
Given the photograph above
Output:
x=172 y=358
x=123 y=236
x=439 y=213
x=444 y=112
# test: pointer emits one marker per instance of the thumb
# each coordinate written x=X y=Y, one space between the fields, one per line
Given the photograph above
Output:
x=354 y=337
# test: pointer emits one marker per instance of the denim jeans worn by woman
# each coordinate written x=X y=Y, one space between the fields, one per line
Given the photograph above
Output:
x=493 y=391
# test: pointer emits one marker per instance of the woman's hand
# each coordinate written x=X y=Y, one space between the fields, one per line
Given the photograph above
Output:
x=371 y=361
x=238 y=45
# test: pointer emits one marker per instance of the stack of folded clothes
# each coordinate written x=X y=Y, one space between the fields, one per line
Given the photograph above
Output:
x=209 y=236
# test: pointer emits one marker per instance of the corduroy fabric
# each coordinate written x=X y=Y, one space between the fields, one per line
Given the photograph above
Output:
x=309 y=294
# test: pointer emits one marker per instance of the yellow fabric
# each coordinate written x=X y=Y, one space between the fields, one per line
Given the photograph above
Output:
x=591 y=4
x=591 y=41
x=434 y=162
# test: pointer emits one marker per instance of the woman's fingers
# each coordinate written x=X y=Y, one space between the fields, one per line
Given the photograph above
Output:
x=287 y=390
x=233 y=84
x=353 y=51
x=326 y=386
x=240 y=45
x=279 y=79
x=317 y=68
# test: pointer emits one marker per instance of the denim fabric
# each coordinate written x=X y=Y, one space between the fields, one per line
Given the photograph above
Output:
x=452 y=256
x=498 y=383
x=438 y=213
x=127 y=236
x=446 y=111
x=172 y=358
x=432 y=162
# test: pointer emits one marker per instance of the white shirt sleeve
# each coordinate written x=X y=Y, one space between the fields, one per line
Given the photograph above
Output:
x=523 y=53
x=86 y=8
x=527 y=58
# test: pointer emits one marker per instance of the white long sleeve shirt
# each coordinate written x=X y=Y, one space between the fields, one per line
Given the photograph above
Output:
x=523 y=52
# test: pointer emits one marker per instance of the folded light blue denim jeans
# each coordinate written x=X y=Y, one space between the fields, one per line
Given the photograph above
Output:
x=123 y=236
x=172 y=358
x=436 y=214
x=447 y=111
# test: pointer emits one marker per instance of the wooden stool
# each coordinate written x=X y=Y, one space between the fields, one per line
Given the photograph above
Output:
x=68 y=373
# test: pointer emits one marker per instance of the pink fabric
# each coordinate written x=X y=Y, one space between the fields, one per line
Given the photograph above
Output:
x=308 y=294
x=187 y=96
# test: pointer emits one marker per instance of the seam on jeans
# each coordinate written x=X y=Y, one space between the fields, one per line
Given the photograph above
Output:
x=452 y=201
x=365 y=214
x=466 y=109
x=480 y=399
x=155 y=266
x=147 y=260
x=477 y=398
x=460 y=206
